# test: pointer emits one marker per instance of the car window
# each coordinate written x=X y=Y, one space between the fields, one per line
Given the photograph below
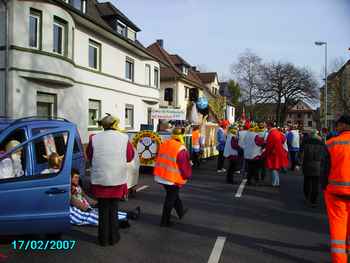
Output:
x=15 y=137
x=13 y=165
x=41 y=147
x=76 y=148
x=49 y=155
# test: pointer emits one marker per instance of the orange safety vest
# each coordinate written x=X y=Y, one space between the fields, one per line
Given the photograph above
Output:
x=166 y=162
x=339 y=178
x=195 y=139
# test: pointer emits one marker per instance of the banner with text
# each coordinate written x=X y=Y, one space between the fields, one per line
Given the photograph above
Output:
x=168 y=114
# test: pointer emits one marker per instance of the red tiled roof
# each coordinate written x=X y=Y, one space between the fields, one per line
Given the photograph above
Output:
x=177 y=60
x=108 y=9
x=173 y=71
x=207 y=77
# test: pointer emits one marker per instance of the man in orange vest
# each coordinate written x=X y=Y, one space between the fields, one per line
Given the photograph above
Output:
x=196 y=146
x=172 y=169
x=337 y=191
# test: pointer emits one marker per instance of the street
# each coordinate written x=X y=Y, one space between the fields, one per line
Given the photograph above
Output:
x=265 y=224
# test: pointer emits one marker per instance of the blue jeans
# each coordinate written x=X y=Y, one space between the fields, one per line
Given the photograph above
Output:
x=275 y=177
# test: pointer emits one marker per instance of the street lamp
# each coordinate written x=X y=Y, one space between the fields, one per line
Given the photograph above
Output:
x=321 y=43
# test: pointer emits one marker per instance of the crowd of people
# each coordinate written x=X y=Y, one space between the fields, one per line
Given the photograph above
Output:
x=254 y=151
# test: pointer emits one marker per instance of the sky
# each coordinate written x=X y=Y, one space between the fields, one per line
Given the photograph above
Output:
x=212 y=33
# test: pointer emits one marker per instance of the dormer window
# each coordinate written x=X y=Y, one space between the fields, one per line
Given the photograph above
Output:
x=121 y=28
x=184 y=70
x=78 y=4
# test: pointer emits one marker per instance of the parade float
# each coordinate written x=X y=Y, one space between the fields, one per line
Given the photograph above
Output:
x=147 y=142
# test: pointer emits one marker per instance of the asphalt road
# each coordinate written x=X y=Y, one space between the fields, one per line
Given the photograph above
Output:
x=264 y=225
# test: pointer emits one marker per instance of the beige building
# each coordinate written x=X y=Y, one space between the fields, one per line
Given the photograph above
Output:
x=338 y=95
x=303 y=116
x=180 y=83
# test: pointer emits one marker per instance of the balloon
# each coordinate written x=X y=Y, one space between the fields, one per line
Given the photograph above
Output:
x=202 y=103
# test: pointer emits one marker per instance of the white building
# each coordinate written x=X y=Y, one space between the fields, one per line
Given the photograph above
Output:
x=230 y=109
x=76 y=59
x=179 y=84
x=182 y=84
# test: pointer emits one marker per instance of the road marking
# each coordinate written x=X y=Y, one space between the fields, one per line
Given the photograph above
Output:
x=241 y=188
x=142 y=188
x=217 y=250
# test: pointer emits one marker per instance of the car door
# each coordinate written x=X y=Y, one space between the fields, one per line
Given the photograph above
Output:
x=35 y=202
x=79 y=162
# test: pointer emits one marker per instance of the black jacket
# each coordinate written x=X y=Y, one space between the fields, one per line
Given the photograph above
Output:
x=315 y=157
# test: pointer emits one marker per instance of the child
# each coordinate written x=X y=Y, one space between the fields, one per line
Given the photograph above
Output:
x=78 y=197
x=82 y=207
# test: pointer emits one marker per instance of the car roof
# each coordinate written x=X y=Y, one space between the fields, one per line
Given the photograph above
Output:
x=6 y=122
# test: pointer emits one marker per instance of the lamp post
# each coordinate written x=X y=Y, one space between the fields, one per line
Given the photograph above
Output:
x=321 y=43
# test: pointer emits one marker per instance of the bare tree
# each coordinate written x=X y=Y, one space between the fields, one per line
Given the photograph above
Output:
x=247 y=72
x=285 y=85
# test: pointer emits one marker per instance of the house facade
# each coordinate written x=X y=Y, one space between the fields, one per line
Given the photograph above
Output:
x=338 y=92
x=230 y=111
x=303 y=116
x=180 y=84
x=77 y=60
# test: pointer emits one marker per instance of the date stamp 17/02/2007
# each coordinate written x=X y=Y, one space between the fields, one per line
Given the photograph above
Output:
x=43 y=245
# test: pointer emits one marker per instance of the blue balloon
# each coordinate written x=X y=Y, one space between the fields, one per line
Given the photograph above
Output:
x=202 y=103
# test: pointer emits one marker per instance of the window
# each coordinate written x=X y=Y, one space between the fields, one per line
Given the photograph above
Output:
x=121 y=28
x=184 y=70
x=44 y=147
x=13 y=165
x=94 y=112
x=168 y=95
x=94 y=55
x=150 y=121
x=299 y=115
x=60 y=37
x=309 y=123
x=46 y=105
x=156 y=78
x=6 y=166
x=131 y=34
x=35 y=27
x=148 y=75
x=309 y=115
x=187 y=91
x=129 y=116
x=78 y=4
x=129 y=69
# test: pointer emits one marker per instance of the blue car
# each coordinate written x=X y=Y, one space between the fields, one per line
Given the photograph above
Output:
x=34 y=199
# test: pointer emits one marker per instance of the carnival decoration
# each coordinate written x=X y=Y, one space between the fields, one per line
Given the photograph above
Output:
x=147 y=144
x=202 y=103
x=193 y=114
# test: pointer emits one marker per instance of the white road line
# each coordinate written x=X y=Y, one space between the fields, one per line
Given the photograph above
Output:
x=142 y=188
x=241 y=188
x=217 y=250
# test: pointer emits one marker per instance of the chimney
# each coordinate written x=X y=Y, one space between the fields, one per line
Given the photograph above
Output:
x=160 y=42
